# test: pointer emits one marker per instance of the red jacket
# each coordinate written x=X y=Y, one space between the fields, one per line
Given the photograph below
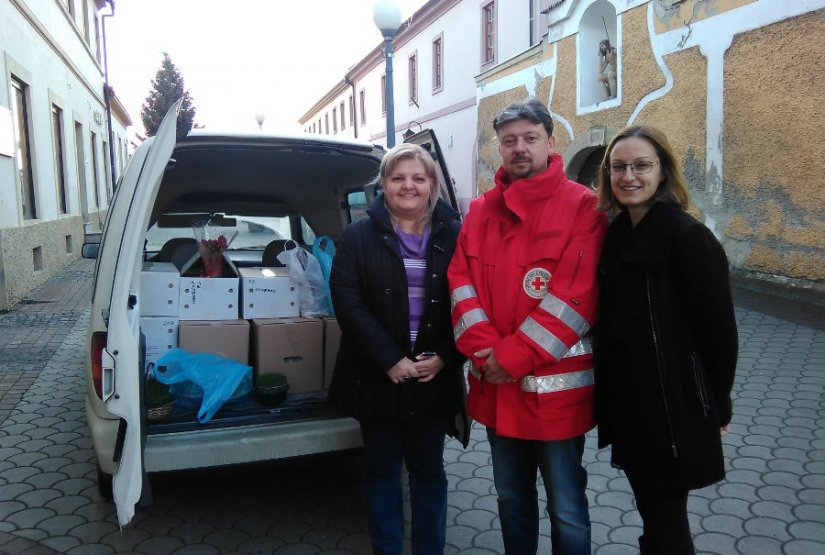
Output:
x=523 y=281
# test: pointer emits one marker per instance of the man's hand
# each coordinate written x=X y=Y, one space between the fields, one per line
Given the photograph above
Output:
x=492 y=371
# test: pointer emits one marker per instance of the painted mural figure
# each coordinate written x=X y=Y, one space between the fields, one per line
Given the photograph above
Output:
x=523 y=287
x=607 y=67
x=666 y=345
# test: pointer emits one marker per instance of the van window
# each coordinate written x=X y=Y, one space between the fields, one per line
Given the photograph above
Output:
x=244 y=232
x=308 y=235
x=357 y=204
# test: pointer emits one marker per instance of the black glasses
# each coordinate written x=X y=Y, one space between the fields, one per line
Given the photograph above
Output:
x=638 y=168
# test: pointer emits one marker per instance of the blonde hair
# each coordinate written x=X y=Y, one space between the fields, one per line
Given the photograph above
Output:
x=672 y=188
x=409 y=151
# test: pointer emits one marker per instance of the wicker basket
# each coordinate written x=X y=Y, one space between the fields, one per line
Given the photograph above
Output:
x=161 y=412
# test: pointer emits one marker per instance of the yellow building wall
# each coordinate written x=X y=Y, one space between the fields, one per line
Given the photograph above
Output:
x=773 y=147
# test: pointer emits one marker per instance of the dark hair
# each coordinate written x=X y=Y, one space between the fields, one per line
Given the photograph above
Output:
x=531 y=109
x=672 y=188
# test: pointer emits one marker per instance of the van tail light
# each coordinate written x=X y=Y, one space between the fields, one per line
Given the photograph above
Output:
x=98 y=344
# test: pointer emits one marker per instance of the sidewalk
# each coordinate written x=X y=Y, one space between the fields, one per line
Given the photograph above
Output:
x=772 y=501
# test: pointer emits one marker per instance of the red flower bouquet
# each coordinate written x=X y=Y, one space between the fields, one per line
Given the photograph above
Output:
x=211 y=249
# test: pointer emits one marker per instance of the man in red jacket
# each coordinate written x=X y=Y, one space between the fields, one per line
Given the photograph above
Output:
x=523 y=290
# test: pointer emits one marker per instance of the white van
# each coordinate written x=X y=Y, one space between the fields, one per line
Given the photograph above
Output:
x=269 y=189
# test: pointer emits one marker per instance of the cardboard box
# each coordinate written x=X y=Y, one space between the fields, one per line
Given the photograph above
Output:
x=332 y=340
x=268 y=293
x=161 y=334
x=229 y=338
x=208 y=298
x=290 y=346
x=159 y=284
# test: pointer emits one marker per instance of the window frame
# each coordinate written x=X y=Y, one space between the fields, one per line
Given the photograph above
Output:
x=362 y=100
x=489 y=33
x=438 y=63
x=59 y=148
x=22 y=132
x=343 y=119
x=412 y=77
x=352 y=110
x=334 y=120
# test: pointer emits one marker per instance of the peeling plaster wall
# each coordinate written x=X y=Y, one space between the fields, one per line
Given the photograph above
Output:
x=672 y=14
x=773 y=148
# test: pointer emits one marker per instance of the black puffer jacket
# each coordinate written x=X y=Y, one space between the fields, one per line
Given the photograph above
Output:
x=665 y=347
x=369 y=293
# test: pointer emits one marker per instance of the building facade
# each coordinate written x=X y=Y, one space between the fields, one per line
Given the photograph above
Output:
x=734 y=84
x=438 y=52
x=57 y=171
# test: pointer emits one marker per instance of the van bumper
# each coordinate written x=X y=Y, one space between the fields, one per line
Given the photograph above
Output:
x=265 y=442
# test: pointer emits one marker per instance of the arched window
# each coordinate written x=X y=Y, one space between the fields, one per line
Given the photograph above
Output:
x=599 y=55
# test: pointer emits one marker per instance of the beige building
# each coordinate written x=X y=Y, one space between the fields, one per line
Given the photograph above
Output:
x=736 y=86
x=58 y=161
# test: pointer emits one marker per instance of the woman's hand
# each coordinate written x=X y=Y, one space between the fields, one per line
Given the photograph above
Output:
x=428 y=366
x=403 y=370
x=724 y=430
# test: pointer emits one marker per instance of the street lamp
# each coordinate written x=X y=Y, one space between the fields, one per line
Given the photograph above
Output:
x=387 y=17
x=259 y=117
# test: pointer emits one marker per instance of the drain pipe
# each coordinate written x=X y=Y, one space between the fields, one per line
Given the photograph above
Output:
x=351 y=83
x=107 y=93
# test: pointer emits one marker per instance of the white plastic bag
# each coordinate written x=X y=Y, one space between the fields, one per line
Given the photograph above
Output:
x=306 y=271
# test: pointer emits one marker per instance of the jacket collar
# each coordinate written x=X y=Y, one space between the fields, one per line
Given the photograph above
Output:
x=651 y=236
x=517 y=196
x=379 y=214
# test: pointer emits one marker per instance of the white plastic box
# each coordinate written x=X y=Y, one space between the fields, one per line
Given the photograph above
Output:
x=268 y=293
x=208 y=298
x=159 y=283
x=161 y=335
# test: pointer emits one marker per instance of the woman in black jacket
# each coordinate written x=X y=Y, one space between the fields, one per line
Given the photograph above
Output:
x=666 y=345
x=398 y=371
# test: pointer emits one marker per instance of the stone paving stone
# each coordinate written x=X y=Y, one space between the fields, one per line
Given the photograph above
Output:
x=39 y=497
x=759 y=545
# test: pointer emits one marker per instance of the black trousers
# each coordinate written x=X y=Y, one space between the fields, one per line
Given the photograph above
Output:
x=664 y=514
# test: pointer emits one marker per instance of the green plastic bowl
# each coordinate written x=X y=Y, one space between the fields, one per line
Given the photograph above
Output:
x=272 y=395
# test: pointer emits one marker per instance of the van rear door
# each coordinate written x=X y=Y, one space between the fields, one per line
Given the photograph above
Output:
x=129 y=218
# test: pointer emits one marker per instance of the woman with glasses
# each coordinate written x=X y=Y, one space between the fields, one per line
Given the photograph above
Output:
x=666 y=344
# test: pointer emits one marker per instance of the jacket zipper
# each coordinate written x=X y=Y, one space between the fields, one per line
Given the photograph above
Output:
x=576 y=269
x=700 y=386
x=659 y=366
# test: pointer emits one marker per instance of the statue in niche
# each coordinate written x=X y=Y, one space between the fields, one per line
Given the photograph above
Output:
x=607 y=67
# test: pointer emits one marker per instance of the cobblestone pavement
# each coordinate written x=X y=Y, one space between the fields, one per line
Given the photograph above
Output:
x=772 y=502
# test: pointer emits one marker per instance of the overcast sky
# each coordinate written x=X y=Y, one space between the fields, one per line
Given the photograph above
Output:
x=277 y=57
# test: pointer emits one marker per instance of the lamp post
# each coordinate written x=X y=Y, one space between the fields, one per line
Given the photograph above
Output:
x=387 y=17
x=259 y=117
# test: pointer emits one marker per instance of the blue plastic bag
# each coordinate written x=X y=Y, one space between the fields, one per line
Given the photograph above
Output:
x=324 y=250
x=214 y=377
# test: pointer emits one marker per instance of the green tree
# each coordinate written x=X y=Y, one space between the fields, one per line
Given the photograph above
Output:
x=167 y=88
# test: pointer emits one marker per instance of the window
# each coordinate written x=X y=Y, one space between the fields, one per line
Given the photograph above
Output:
x=326 y=124
x=70 y=4
x=488 y=33
x=351 y=110
x=384 y=95
x=343 y=120
x=86 y=22
x=412 y=63
x=335 y=120
x=95 y=178
x=97 y=39
x=107 y=174
x=22 y=146
x=438 y=63
x=59 y=158
x=320 y=129
x=362 y=104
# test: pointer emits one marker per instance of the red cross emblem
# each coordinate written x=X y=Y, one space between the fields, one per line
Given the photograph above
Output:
x=535 y=282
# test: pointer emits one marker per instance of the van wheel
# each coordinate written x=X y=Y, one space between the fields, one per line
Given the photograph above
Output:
x=104 y=484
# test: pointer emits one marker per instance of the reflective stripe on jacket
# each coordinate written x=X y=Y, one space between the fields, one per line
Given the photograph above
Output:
x=523 y=281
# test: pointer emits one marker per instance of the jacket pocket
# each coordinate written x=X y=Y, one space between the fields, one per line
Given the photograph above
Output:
x=701 y=387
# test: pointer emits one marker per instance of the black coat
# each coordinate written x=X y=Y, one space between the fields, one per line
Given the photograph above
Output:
x=369 y=293
x=665 y=347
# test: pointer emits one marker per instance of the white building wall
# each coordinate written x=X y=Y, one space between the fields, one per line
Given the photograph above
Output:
x=42 y=46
